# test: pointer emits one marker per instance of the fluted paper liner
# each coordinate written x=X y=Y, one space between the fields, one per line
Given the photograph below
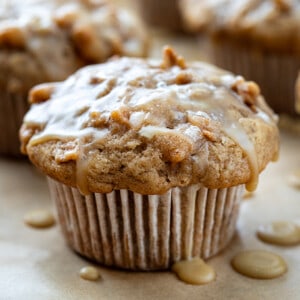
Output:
x=12 y=110
x=164 y=14
x=275 y=73
x=147 y=232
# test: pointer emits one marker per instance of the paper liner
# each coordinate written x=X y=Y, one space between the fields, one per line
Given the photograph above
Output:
x=161 y=13
x=133 y=231
x=275 y=73
x=12 y=110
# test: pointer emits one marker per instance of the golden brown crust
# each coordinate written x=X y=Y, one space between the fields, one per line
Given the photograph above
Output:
x=148 y=172
x=147 y=133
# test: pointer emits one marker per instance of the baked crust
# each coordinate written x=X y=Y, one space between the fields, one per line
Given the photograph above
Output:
x=147 y=126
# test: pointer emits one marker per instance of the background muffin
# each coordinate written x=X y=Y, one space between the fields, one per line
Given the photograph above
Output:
x=42 y=41
x=147 y=160
x=258 y=39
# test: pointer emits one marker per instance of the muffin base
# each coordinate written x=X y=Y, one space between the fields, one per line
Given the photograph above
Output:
x=276 y=73
x=147 y=232
x=12 y=111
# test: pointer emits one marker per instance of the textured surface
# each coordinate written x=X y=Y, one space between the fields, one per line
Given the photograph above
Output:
x=37 y=263
x=132 y=231
x=149 y=125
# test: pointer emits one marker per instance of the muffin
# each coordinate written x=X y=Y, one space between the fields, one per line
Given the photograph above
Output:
x=48 y=40
x=147 y=159
x=258 y=39
x=161 y=14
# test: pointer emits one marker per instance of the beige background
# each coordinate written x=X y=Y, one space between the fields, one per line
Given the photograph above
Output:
x=36 y=264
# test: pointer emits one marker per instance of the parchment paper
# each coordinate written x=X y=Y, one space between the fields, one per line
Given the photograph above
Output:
x=37 y=264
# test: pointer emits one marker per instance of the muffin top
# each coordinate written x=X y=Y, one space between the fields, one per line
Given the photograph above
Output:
x=148 y=126
x=47 y=40
x=272 y=24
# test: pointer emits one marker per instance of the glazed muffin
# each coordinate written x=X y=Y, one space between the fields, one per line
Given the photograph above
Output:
x=161 y=14
x=258 y=39
x=47 y=40
x=147 y=159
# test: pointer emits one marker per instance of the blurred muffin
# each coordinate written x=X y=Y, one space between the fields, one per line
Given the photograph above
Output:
x=42 y=41
x=162 y=14
x=258 y=39
x=147 y=159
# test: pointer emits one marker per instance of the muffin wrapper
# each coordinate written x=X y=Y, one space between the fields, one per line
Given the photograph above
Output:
x=12 y=110
x=276 y=73
x=165 y=14
x=133 y=231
